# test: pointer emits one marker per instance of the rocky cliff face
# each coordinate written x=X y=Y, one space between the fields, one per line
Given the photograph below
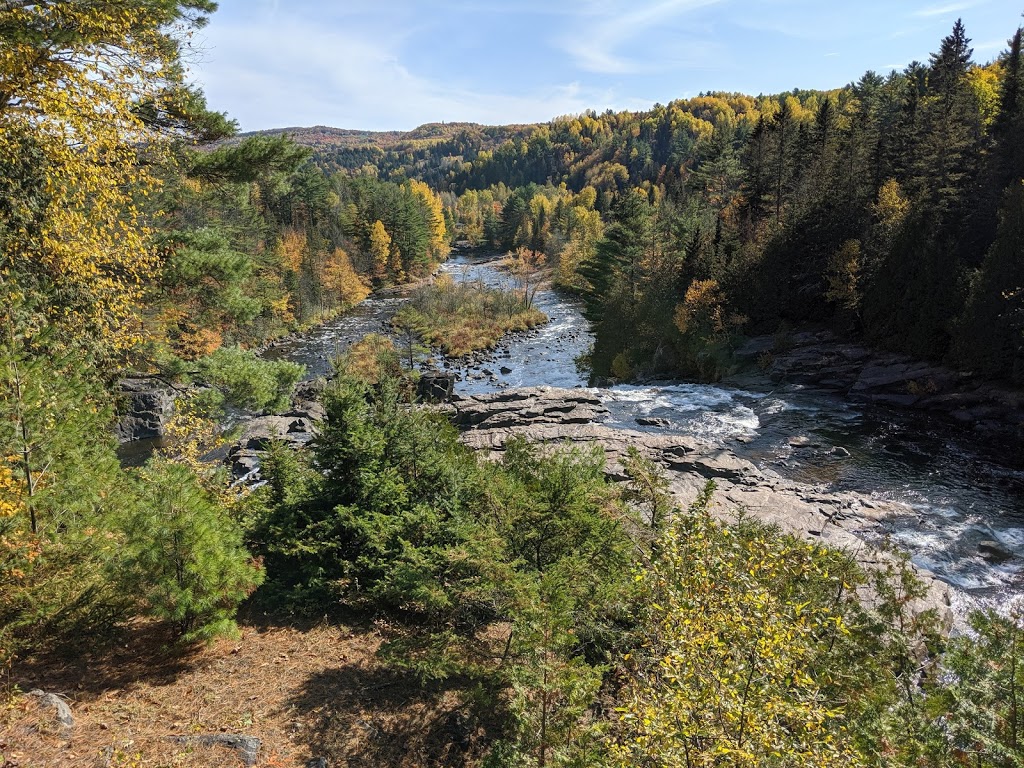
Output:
x=147 y=408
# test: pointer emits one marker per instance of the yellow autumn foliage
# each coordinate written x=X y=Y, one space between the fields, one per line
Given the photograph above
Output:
x=701 y=308
x=438 y=231
x=380 y=249
x=71 y=75
x=292 y=249
x=726 y=676
x=341 y=278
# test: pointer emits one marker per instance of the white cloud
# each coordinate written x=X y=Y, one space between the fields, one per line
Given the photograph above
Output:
x=598 y=32
x=296 y=73
x=946 y=9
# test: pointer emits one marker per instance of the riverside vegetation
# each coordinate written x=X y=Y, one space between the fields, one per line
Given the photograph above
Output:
x=459 y=318
x=573 y=620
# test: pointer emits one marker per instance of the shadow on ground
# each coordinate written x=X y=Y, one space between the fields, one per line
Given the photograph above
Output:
x=360 y=716
x=142 y=652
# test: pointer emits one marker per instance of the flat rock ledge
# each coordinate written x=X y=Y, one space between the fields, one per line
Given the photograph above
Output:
x=846 y=521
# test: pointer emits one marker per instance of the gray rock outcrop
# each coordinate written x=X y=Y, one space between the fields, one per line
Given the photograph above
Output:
x=846 y=521
x=821 y=360
x=435 y=386
x=521 y=408
x=148 y=406
x=294 y=429
x=60 y=708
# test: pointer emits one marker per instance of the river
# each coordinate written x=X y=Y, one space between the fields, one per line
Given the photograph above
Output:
x=959 y=492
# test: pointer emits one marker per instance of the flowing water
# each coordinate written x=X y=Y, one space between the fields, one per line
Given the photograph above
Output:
x=959 y=492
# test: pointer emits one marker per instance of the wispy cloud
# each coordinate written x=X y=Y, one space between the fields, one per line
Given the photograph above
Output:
x=945 y=9
x=600 y=32
x=991 y=46
x=298 y=73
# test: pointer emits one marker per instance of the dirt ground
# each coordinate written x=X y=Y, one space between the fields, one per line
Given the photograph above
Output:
x=305 y=692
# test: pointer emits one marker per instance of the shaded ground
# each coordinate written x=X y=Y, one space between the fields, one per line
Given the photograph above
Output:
x=306 y=692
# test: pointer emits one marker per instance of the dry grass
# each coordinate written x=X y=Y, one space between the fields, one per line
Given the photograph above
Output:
x=305 y=692
x=461 y=318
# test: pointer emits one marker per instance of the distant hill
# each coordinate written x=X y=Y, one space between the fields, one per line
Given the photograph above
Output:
x=609 y=151
x=322 y=137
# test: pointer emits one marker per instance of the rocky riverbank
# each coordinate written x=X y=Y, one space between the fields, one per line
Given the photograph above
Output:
x=847 y=521
x=821 y=360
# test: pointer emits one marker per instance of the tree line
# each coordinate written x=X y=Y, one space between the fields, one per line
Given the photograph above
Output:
x=887 y=210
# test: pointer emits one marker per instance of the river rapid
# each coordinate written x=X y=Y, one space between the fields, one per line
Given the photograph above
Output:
x=965 y=519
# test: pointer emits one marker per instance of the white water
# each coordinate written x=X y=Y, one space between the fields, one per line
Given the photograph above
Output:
x=958 y=491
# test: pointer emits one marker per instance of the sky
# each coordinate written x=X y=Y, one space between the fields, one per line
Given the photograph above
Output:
x=397 y=64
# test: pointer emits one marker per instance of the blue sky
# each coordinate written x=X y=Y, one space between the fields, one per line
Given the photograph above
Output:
x=396 y=64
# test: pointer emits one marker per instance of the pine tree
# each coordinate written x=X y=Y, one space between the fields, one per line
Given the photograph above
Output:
x=1008 y=128
x=951 y=131
x=183 y=555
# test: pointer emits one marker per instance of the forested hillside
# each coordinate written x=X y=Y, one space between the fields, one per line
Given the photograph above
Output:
x=887 y=209
x=542 y=607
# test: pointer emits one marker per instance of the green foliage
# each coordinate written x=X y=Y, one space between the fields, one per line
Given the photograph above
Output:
x=647 y=488
x=408 y=325
x=254 y=158
x=408 y=218
x=991 y=331
x=82 y=543
x=757 y=650
x=183 y=556
x=720 y=643
x=515 y=573
x=978 y=692
x=249 y=381
x=727 y=672
x=53 y=415
x=389 y=508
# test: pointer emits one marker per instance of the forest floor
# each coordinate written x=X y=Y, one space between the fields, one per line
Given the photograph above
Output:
x=306 y=692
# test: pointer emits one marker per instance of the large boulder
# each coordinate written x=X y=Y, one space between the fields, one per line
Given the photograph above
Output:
x=59 y=707
x=435 y=387
x=147 y=407
x=294 y=429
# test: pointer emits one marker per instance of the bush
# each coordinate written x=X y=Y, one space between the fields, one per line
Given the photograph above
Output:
x=249 y=381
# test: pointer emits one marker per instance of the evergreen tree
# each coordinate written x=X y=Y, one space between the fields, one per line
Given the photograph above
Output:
x=1008 y=129
x=950 y=139
x=990 y=334
x=183 y=556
